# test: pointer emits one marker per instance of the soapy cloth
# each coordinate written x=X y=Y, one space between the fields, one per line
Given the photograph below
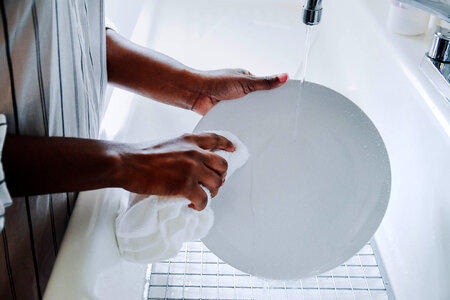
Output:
x=153 y=228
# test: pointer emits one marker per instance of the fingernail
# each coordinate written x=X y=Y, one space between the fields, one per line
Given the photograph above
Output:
x=282 y=77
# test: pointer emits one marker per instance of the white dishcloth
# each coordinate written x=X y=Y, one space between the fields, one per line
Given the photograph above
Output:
x=153 y=228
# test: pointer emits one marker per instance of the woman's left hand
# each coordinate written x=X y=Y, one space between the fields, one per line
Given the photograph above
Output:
x=227 y=84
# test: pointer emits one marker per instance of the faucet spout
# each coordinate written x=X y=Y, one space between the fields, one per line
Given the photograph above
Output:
x=312 y=12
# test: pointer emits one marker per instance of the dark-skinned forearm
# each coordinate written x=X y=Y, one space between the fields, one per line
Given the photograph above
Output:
x=41 y=165
x=149 y=73
x=174 y=167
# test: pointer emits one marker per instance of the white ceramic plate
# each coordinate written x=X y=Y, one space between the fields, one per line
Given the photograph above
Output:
x=300 y=206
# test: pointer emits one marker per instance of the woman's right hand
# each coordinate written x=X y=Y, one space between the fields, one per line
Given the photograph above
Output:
x=176 y=167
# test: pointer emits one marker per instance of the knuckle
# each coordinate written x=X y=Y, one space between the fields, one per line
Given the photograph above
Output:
x=189 y=168
x=268 y=83
x=214 y=140
x=218 y=182
x=214 y=192
x=251 y=87
x=220 y=164
x=186 y=136
x=217 y=138
x=243 y=87
x=203 y=202
x=224 y=164
x=190 y=138
x=214 y=136
x=192 y=154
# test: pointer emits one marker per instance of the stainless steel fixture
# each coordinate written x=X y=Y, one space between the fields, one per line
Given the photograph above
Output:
x=312 y=12
x=312 y=9
x=440 y=49
x=436 y=63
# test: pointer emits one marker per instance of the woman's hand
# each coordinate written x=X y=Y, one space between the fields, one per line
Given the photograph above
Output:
x=227 y=84
x=176 y=167
x=155 y=75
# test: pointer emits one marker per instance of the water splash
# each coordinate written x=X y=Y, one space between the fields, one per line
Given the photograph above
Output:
x=301 y=75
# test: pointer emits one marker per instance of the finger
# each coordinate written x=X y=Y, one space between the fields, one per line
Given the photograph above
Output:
x=211 y=180
x=211 y=141
x=269 y=82
x=216 y=163
x=198 y=198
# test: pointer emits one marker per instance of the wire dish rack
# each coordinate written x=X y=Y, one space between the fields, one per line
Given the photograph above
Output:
x=196 y=273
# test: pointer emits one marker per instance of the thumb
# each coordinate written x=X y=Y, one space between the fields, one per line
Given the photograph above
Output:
x=269 y=82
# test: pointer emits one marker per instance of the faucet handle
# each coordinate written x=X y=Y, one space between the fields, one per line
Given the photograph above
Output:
x=440 y=47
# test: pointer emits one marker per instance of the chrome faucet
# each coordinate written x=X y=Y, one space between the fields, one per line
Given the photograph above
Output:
x=435 y=64
x=312 y=12
x=312 y=9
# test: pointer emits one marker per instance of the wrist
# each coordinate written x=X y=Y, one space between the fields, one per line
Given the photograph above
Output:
x=193 y=83
x=118 y=157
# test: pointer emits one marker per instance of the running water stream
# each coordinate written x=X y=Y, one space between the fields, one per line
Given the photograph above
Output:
x=301 y=74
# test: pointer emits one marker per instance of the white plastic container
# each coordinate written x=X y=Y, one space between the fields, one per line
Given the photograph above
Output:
x=407 y=20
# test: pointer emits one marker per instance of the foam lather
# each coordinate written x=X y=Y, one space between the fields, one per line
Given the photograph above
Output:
x=153 y=228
